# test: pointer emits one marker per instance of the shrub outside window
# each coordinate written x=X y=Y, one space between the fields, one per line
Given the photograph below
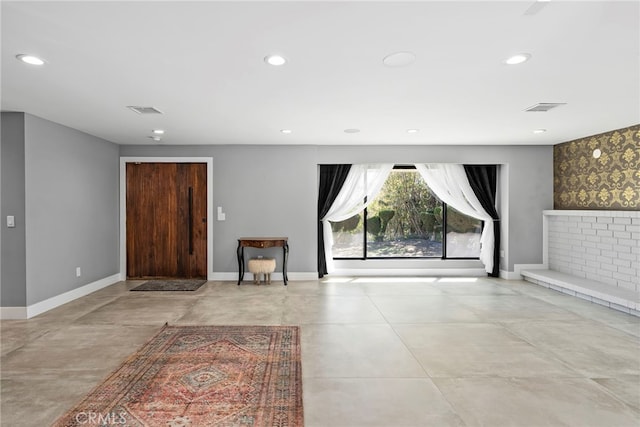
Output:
x=406 y=220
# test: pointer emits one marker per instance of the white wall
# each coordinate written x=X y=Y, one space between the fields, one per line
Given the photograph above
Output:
x=597 y=246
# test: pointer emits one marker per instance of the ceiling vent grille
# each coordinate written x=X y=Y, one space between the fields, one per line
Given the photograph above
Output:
x=144 y=110
x=536 y=7
x=544 y=106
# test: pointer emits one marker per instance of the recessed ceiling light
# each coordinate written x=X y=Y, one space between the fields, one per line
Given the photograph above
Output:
x=539 y=131
x=399 y=59
x=517 y=59
x=351 y=130
x=30 y=59
x=286 y=131
x=275 y=60
x=158 y=131
x=413 y=130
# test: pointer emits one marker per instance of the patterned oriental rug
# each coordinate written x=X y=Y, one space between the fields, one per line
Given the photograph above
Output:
x=193 y=376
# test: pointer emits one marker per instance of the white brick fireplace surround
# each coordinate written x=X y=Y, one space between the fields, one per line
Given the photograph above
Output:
x=593 y=255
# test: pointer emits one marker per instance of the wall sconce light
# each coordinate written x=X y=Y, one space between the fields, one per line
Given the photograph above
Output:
x=597 y=153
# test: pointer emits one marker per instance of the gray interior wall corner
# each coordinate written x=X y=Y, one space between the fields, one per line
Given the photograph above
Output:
x=13 y=289
x=72 y=208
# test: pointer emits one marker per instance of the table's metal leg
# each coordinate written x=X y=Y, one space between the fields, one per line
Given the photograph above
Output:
x=240 y=253
x=285 y=250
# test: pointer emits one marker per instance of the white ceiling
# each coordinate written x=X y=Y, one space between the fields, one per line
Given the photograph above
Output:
x=201 y=63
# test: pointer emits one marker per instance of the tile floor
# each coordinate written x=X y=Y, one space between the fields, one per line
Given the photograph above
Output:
x=376 y=351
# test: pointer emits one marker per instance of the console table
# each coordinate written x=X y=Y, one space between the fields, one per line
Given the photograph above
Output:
x=262 y=243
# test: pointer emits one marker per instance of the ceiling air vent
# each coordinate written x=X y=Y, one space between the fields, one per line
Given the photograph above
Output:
x=544 y=106
x=144 y=110
x=536 y=7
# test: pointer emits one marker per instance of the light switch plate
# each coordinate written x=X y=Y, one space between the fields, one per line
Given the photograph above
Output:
x=221 y=215
x=11 y=221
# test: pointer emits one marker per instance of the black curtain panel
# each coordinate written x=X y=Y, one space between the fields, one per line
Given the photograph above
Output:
x=332 y=178
x=483 y=182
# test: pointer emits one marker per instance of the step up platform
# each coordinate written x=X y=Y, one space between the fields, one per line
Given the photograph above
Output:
x=614 y=297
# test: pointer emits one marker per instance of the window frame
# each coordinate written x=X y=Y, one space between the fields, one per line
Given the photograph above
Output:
x=444 y=235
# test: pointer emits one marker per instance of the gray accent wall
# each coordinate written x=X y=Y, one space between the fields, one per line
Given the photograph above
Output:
x=263 y=190
x=72 y=208
x=13 y=280
x=528 y=190
x=62 y=187
x=272 y=190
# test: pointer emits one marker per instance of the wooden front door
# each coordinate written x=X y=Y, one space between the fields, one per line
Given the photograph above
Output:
x=166 y=220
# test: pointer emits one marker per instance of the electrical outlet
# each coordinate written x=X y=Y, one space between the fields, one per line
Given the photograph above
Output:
x=78 y=272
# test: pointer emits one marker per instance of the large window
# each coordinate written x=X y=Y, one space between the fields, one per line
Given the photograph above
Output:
x=406 y=220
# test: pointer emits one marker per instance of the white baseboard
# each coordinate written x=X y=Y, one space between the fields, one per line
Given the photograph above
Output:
x=293 y=276
x=224 y=276
x=13 y=313
x=233 y=276
x=305 y=275
x=517 y=268
x=509 y=275
x=30 y=311
x=402 y=272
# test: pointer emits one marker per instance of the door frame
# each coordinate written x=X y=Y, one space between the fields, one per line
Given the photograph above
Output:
x=123 y=205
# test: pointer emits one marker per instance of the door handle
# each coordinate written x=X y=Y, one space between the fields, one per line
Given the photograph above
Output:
x=190 y=220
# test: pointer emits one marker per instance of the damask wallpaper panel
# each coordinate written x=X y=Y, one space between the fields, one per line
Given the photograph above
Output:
x=610 y=182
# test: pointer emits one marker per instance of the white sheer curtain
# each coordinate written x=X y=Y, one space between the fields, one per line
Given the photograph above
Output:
x=450 y=183
x=362 y=185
